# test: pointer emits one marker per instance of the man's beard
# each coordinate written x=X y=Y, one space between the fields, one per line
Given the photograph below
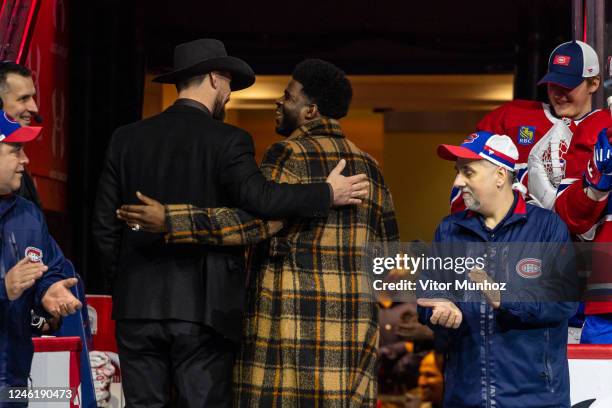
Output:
x=471 y=201
x=288 y=123
x=218 y=111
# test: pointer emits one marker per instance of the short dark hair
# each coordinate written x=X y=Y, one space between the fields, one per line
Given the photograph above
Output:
x=10 y=67
x=326 y=85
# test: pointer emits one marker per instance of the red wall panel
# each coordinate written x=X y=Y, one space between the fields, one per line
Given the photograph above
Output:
x=48 y=57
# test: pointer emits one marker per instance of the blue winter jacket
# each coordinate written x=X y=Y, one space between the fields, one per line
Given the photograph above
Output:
x=23 y=231
x=515 y=356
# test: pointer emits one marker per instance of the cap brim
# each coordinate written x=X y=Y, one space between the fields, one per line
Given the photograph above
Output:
x=450 y=152
x=564 y=80
x=23 y=135
x=242 y=74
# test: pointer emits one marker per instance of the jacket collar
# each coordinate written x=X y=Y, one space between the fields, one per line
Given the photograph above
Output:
x=318 y=127
x=473 y=221
x=192 y=103
x=6 y=203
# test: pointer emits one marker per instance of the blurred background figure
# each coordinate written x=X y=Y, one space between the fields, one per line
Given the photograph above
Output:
x=403 y=343
x=431 y=381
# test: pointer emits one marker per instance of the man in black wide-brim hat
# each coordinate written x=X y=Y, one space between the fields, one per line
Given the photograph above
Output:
x=179 y=308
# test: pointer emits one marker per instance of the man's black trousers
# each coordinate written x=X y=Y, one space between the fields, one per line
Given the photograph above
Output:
x=173 y=363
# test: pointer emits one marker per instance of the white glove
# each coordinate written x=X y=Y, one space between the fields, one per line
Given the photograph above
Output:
x=546 y=168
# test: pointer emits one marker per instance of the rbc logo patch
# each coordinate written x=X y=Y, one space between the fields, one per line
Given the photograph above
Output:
x=34 y=254
x=526 y=135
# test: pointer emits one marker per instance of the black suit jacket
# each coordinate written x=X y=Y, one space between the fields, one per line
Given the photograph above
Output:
x=183 y=155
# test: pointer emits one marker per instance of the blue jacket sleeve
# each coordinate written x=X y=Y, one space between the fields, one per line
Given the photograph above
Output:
x=427 y=274
x=54 y=259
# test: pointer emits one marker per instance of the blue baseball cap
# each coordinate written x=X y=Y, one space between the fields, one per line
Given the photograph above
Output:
x=498 y=149
x=12 y=132
x=570 y=63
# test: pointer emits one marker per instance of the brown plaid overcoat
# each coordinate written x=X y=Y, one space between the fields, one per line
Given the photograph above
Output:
x=310 y=328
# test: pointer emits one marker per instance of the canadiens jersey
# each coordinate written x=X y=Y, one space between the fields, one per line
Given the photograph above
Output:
x=525 y=122
x=588 y=219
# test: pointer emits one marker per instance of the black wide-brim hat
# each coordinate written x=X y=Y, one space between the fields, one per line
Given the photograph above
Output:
x=206 y=55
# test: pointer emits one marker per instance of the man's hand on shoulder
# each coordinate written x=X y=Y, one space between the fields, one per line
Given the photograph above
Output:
x=347 y=190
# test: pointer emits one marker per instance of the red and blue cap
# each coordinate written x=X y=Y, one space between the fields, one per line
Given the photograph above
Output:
x=570 y=63
x=498 y=149
x=12 y=132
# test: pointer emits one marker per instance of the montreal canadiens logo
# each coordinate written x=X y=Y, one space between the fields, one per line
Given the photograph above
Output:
x=529 y=268
x=471 y=138
x=562 y=60
x=34 y=254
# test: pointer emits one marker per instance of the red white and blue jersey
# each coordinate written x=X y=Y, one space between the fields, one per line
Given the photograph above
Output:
x=525 y=122
x=588 y=219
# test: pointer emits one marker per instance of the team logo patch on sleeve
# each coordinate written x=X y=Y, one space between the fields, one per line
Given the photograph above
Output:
x=529 y=268
x=34 y=254
x=526 y=135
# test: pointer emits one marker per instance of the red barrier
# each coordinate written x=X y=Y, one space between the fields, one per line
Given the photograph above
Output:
x=51 y=344
x=102 y=326
x=56 y=363
x=589 y=351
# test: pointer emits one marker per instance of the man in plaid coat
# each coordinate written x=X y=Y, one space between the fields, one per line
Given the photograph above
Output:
x=311 y=329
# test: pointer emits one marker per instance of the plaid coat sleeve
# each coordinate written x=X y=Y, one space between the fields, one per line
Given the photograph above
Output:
x=388 y=230
x=216 y=226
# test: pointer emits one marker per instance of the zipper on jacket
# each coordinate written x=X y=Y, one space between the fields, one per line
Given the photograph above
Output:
x=488 y=327
x=484 y=350
x=547 y=368
x=5 y=318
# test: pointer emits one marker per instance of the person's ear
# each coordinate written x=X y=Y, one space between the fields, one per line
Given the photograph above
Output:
x=214 y=81
x=593 y=84
x=501 y=176
x=312 y=111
